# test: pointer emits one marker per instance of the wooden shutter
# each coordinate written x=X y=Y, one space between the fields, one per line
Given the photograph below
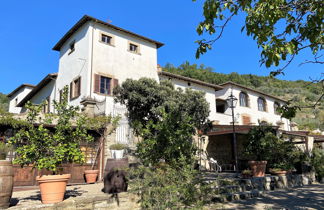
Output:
x=246 y=120
x=114 y=84
x=48 y=104
x=79 y=87
x=71 y=90
x=97 y=83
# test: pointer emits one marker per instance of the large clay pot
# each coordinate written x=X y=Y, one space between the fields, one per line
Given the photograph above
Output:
x=52 y=187
x=278 y=173
x=91 y=176
x=258 y=168
x=117 y=154
x=6 y=183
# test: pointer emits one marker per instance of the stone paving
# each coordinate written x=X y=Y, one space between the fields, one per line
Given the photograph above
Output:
x=306 y=197
x=85 y=196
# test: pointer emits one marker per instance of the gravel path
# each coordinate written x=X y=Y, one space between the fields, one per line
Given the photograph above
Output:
x=307 y=197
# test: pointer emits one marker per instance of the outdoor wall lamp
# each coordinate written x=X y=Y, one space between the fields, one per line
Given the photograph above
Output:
x=231 y=102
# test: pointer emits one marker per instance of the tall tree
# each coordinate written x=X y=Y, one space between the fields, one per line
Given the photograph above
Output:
x=166 y=118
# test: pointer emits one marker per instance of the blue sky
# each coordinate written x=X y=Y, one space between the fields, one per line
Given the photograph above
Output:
x=29 y=30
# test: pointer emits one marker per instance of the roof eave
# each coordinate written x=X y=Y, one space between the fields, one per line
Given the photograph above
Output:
x=38 y=87
x=250 y=89
x=199 y=82
x=87 y=18
x=18 y=88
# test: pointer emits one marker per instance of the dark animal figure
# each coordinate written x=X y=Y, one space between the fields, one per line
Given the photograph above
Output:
x=115 y=182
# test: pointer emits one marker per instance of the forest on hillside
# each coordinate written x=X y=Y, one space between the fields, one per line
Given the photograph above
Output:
x=300 y=92
x=4 y=102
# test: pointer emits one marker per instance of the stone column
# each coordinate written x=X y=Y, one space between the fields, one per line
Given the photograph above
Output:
x=88 y=106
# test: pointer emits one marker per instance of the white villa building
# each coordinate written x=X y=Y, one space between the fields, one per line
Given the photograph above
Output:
x=95 y=56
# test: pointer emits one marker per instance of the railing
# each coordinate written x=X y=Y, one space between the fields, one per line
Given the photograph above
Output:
x=124 y=134
x=100 y=108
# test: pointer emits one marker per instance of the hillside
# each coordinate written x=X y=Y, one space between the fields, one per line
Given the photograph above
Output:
x=300 y=92
x=4 y=102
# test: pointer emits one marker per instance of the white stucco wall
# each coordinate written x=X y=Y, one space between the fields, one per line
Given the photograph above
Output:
x=117 y=62
x=91 y=56
x=75 y=64
x=19 y=95
x=209 y=93
x=226 y=118
x=47 y=91
x=255 y=115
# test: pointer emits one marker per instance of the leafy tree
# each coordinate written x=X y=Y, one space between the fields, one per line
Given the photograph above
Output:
x=45 y=148
x=165 y=118
x=281 y=28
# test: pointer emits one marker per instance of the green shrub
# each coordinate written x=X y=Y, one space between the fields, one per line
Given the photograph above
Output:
x=168 y=187
x=317 y=162
x=49 y=148
x=4 y=149
x=117 y=146
x=263 y=144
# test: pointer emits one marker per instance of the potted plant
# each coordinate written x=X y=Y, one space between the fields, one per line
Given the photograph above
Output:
x=6 y=176
x=261 y=140
x=104 y=126
x=281 y=169
x=4 y=149
x=246 y=174
x=117 y=150
x=48 y=148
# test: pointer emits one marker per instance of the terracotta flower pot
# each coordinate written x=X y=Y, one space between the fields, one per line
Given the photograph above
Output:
x=278 y=172
x=91 y=176
x=258 y=168
x=52 y=187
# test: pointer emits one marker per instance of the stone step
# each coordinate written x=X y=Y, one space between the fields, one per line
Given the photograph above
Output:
x=227 y=197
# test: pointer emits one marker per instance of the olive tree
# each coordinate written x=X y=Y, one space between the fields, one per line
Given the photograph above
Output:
x=164 y=117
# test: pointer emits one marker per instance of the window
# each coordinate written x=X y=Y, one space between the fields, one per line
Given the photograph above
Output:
x=104 y=84
x=244 y=99
x=221 y=106
x=16 y=101
x=75 y=88
x=261 y=104
x=106 y=39
x=133 y=48
x=72 y=47
x=276 y=105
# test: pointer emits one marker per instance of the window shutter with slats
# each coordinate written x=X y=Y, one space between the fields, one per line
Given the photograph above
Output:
x=115 y=84
x=71 y=90
x=79 y=87
x=97 y=83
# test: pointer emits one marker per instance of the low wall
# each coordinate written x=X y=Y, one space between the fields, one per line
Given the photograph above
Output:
x=125 y=201
x=277 y=182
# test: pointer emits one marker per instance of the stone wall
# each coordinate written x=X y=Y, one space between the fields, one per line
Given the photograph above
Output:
x=125 y=201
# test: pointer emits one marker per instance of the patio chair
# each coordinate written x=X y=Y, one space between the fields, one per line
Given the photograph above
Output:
x=214 y=165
